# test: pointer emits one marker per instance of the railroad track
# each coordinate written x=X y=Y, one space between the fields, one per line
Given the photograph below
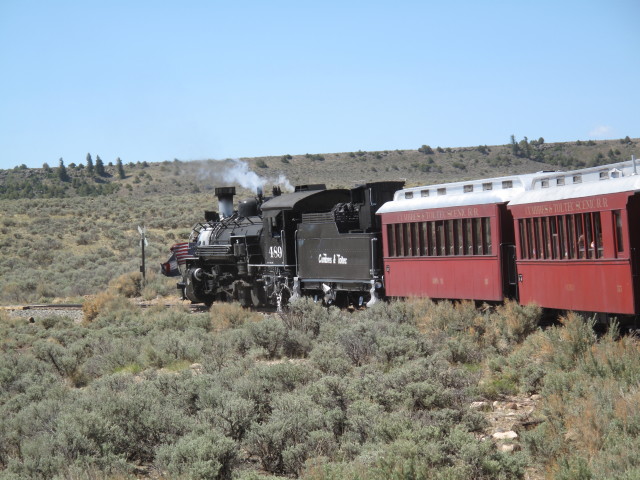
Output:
x=57 y=306
x=78 y=306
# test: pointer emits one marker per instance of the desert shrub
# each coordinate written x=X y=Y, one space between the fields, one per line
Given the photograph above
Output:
x=284 y=441
x=297 y=344
x=563 y=346
x=170 y=347
x=333 y=395
x=178 y=318
x=424 y=454
x=128 y=285
x=307 y=316
x=157 y=286
x=112 y=355
x=361 y=423
x=448 y=317
x=525 y=368
x=590 y=398
x=400 y=343
x=56 y=435
x=463 y=348
x=66 y=359
x=263 y=383
x=401 y=312
x=381 y=393
x=84 y=239
x=457 y=456
x=509 y=325
x=104 y=303
x=418 y=384
x=227 y=411
x=141 y=416
x=219 y=354
x=359 y=342
x=240 y=340
x=199 y=455
x=230 y=315
x=330 y=359
x=269 y=334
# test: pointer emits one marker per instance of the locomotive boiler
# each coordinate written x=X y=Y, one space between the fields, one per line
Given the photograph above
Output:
x=221 y=250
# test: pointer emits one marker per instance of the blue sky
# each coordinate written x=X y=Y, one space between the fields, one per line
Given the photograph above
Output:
x=158 y=80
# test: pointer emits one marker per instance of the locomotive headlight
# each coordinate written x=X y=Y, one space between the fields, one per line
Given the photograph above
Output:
x=378 y=285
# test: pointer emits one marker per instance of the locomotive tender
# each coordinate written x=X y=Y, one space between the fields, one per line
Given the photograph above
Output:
x=564 y=240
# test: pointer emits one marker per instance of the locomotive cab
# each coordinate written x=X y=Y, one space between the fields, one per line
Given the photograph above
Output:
x=281 y=216
x=275 y=223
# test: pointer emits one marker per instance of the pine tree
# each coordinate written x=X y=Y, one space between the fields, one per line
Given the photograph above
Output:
x=89 y=164
x=515 y=148
x=62 y=172
x=100 y=167
x=121 y=173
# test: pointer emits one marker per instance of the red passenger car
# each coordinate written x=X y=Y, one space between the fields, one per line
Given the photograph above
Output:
x=578 y=239
x=452 y=241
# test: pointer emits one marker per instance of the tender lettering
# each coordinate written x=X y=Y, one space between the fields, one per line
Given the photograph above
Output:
x=335 y=259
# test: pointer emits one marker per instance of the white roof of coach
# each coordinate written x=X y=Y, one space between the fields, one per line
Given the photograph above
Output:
x=586 y=182
x=472 y=192
x=520 y=189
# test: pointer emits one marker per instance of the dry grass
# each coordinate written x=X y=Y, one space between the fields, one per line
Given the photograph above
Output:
x=231 y=315
x=103 y=302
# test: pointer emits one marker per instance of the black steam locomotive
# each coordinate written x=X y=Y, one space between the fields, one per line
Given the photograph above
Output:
x=319 y=242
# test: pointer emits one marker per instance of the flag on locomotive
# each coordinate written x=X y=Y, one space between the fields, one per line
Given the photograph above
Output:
x=179 y=254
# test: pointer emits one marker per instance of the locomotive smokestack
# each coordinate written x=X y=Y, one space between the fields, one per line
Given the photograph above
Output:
x=225 y=200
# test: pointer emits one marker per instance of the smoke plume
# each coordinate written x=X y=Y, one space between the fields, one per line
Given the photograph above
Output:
x=237 y=172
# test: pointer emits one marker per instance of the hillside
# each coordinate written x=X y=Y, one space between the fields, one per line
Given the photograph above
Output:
x=70 y=238
x=406 y=389
x=427 y=165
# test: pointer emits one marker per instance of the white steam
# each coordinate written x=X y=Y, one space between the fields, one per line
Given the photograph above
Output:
x=237 y=172
x=284 y=182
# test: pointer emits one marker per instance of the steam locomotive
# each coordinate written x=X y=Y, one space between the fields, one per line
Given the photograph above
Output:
x=319 y=242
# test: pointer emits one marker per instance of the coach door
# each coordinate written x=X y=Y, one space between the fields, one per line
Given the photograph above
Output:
x=510 y=273
x=633 y=228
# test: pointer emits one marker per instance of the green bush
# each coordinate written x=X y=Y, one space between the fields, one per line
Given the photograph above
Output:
x=284 y=441
x=207 y=456
x=269 y=334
